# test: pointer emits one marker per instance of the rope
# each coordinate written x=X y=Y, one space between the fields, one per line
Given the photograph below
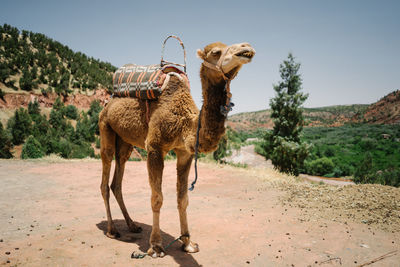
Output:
x=137 y=255
x=196 y=150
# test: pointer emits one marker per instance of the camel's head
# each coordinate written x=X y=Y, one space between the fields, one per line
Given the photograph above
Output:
x=229 y=59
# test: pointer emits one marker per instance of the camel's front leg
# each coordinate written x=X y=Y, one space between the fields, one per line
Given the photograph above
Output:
x=155 y=166
x=183 y=168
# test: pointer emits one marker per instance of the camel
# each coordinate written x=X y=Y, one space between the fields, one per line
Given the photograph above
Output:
x=169 y=123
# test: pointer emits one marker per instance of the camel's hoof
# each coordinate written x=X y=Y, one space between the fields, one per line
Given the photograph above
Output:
x=113 y=234
x=156 y=251
x=191 y=248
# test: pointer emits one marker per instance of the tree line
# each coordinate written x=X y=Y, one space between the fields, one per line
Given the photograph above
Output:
x=41 y=136
x=43 y=63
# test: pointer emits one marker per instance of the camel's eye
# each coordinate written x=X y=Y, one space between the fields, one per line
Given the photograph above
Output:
x=216 y=52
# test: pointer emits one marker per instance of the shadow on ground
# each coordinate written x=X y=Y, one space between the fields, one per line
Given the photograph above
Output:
x=142 y=240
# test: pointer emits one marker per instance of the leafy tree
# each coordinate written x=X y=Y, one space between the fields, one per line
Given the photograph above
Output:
x=5 y=143
x=32 y=149
x=20 y=126
x=283 y=145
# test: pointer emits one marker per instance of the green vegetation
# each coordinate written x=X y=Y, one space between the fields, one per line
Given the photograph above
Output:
x=53 y=136
x=5 y=143
x=41 y=61
x=32 y=149
x=283 y=145
x=370 y=153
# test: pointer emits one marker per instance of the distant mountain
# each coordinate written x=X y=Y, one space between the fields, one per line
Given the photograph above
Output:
x=385 y=111
x=33 y=62
x=323 y=116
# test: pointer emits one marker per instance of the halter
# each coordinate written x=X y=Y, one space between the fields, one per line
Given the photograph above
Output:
x=218 y=67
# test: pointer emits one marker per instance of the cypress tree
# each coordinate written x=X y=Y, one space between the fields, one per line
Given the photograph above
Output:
x=283 y=145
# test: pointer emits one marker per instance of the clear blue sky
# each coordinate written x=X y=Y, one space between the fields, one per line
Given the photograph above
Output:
x=349 y=50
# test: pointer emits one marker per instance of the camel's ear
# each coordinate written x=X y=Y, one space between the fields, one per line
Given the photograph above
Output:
x=200 y=54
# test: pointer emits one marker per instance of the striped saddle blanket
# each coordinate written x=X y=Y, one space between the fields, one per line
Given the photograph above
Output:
x=143 y=82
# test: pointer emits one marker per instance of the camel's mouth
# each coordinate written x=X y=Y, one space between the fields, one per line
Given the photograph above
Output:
x=248 y=54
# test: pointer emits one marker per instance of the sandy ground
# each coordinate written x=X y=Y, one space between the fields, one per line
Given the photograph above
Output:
x=52 y=214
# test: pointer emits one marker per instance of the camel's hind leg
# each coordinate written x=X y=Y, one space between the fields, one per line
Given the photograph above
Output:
x=183 y=168
x=122 y=152
x=107 y=150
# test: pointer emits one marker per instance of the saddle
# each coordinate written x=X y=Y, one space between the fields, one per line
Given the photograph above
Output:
x=147 y=82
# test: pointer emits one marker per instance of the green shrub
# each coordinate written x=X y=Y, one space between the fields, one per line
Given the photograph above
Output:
x=320 y=166
x=82 y=151
x=71 y=112
x=32 y=149
x=20 y=126
x=222 y=150
x=5 y=143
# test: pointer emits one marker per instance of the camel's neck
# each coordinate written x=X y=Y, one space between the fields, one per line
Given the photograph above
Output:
x=212 y=120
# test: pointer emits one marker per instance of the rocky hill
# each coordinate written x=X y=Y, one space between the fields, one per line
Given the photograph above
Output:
x=385 y=111
x=331 y=116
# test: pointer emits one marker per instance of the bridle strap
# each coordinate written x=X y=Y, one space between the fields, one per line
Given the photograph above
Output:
x=218 y=66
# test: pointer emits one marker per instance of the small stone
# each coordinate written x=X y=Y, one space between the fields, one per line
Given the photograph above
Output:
x=1 y=240
x=16 y=248
x=83 y=242
x=8 y=252
x=248 y=262
x=287 y=233
x=91 y=246
x=8 y=261
x=40 y=249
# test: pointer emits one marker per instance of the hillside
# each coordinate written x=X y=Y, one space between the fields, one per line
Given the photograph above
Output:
x=33 y=62
x=324 y=116
x=385 y=111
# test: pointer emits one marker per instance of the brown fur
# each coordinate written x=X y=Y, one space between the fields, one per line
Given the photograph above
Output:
x=172 y=126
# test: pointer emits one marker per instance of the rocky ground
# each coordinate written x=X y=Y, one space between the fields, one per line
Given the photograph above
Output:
x=52 y=214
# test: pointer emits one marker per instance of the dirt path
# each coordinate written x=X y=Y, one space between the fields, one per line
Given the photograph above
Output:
x=52 y=214
x=246 y=155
